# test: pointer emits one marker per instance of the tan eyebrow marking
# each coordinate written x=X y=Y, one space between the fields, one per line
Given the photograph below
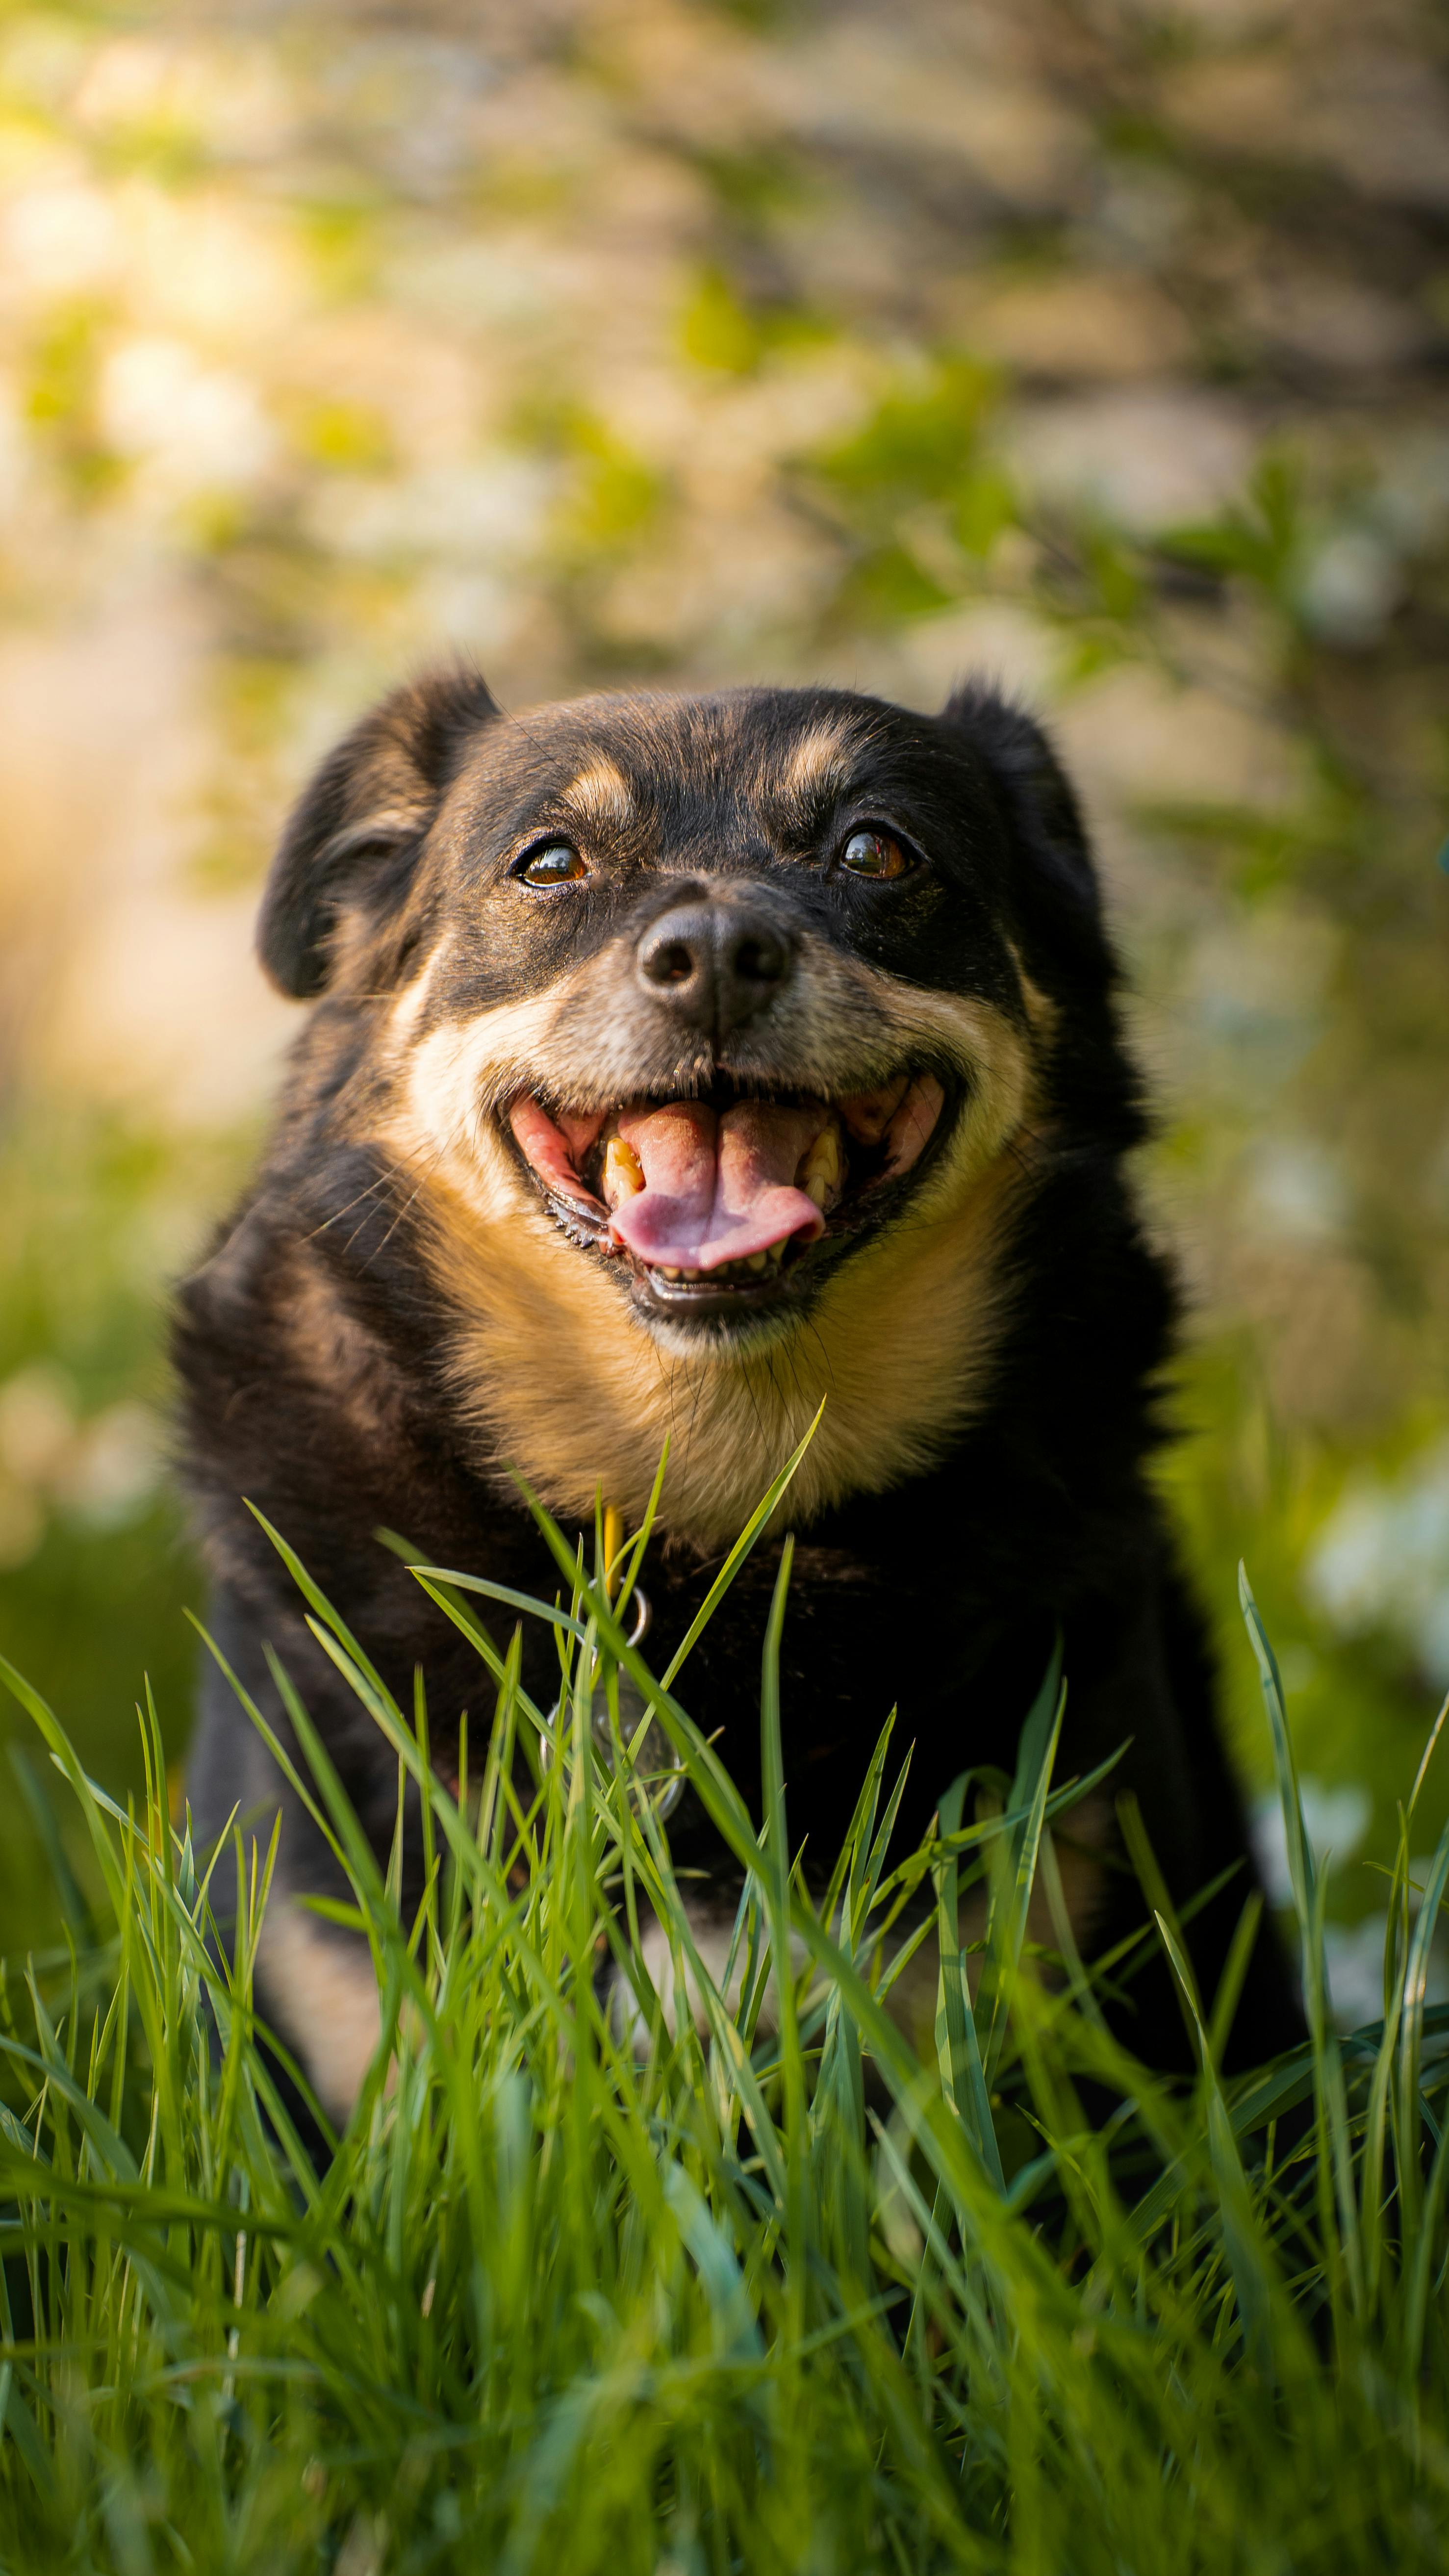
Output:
x=815 y=768
x=821 y=758
x=601 y=794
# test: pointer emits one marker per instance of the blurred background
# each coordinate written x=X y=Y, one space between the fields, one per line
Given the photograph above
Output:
x=1098 y=344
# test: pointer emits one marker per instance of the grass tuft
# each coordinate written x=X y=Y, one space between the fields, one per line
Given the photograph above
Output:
x=731 y=2278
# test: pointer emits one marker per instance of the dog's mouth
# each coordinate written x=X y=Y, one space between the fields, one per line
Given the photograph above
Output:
x=717 y=1203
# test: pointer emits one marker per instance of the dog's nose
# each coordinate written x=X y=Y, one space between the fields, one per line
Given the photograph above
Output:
x=717 y=965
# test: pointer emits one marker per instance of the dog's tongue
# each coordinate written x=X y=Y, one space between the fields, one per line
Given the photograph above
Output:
x=716 y=1188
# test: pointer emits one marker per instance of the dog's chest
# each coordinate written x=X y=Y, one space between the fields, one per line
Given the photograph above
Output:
x=864 y=1641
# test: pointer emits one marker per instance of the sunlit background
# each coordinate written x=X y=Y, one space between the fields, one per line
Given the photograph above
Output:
x=1097 y=344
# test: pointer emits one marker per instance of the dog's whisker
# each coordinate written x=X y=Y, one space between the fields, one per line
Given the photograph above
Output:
x=410 y=1202
x=338 y=1213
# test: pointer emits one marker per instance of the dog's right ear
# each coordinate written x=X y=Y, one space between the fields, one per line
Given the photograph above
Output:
x=1054 y=881
x=351 y=842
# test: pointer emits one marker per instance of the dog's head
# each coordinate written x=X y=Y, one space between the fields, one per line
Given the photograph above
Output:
x=727 y=1001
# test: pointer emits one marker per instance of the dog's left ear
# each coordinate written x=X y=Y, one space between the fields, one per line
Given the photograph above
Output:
x=352 y=840
x=1054 y=882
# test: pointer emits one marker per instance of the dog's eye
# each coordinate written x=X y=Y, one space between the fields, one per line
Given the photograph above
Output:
x=558 y=864
x=874 y=854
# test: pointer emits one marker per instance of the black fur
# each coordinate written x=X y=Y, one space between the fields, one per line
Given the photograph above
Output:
x=943 y=1595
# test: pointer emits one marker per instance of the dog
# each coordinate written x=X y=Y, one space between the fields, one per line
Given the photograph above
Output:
x=674 y=1063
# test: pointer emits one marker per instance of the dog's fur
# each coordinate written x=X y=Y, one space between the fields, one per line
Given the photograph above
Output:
x=399 y=1311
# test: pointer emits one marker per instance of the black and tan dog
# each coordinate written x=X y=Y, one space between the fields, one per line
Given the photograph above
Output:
x=675 y=1063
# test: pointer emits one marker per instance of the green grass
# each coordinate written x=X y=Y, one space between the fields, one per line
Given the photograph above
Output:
x=777 y=2298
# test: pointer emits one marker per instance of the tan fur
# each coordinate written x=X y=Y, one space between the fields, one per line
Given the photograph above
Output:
x=562 y=1379
x=843 y=1027
x=407 y=1009
x=899 y=1346
x=818 y=762
x=601 y=795
x=322 y=1993
x=455 y=1077
x=403 y=818
x=1041 y=1010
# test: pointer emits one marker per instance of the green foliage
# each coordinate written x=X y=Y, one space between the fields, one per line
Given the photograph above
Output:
x=608 y=495
x=594 y=2286
x=1260 y=539
x=94 y=1572
x=59 y=401
x=919 y=493
x=752 y=186
x=344 y=437
x=715 y=330
x=718 y=330
x=1233 y=1480
x=920 y=443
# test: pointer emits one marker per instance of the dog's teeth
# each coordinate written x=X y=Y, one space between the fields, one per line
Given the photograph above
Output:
x=822 y=1173
x=623 y=1171
x=728 y=1274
